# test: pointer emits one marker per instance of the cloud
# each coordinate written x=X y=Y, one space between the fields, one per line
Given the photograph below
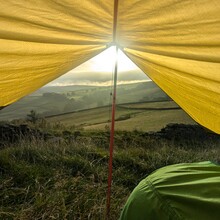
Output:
x=90 y=83
x=98 y=78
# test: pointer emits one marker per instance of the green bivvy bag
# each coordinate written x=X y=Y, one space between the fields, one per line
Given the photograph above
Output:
x=188 y=191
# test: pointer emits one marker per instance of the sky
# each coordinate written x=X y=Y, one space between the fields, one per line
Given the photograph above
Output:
x=98 y=71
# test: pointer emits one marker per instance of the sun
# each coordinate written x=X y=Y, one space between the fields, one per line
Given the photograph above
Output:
x=104 y=62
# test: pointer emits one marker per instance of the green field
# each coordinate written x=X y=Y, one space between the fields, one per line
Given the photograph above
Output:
x=148 y=116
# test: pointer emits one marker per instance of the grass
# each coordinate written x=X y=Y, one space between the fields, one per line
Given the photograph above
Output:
x=146 y=121
x=68 y=180
x=89 y=117
x=138 y=116
x=145 y=105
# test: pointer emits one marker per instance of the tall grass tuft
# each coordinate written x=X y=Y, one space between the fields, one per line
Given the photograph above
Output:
x=68 y=179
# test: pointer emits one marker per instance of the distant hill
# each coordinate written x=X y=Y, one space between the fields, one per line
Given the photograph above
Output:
x=60 y=99
x=61 y=89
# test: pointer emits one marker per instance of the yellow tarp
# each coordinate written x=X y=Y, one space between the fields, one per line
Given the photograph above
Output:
x=42 y=39
x=175 y=42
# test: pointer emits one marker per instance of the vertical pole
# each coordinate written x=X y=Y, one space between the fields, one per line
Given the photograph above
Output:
x=112 y=137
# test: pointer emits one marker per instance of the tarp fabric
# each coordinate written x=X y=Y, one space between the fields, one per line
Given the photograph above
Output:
x=175 y=42
x=176 y=192
x=41 y=40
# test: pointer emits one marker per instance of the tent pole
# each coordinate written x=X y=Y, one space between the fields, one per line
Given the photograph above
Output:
x=111 y=146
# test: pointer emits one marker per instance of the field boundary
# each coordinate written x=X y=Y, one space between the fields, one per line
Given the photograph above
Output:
x=118 y=105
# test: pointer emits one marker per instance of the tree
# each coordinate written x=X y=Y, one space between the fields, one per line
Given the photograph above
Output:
x=32 y=116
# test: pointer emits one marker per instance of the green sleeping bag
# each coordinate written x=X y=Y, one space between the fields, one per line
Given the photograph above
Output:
x=188 y=191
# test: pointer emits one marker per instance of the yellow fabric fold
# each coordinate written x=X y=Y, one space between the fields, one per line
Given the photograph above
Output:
x=177 y=44
x=41 y=40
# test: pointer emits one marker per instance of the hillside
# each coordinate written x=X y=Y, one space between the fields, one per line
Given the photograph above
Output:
x=56 y=100
x=145 y=116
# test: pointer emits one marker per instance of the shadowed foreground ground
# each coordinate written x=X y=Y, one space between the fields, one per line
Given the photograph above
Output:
x=63 y=175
